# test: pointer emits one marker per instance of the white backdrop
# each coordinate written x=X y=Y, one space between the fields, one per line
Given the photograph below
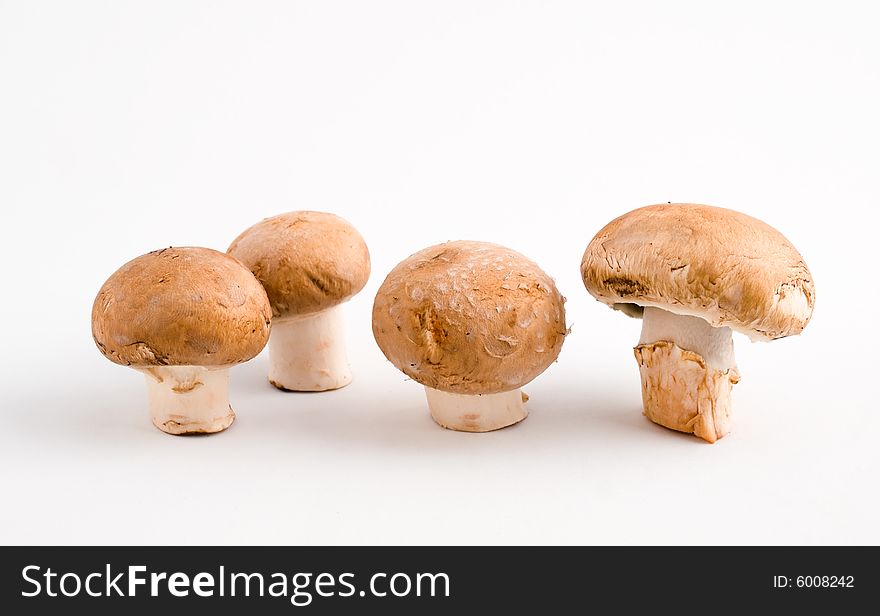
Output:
x=130 y=126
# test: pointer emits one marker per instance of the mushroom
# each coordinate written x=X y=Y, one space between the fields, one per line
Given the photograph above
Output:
x=694 y=274
x=183 y=316
x=473 y=322
x=309 y=263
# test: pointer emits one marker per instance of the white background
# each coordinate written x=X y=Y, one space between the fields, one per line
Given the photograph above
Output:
x=126 y=127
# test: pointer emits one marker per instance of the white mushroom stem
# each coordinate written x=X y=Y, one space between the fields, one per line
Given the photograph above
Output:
x=687 y=369
x=476 y=413
x=308 y=353
x=189 y=399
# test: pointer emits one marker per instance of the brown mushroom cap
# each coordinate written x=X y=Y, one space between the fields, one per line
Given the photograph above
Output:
x=469 y=318
x=723 y=266
x=181 y=307
x=306 y=261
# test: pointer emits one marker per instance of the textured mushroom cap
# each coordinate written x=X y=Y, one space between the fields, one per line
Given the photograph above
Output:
x=306 y=261
x=723 y=266
x=181 y=307
x=469 y=318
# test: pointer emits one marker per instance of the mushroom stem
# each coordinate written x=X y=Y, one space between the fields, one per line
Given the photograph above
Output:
x=687 y=369
x=189 y=399
x=477 y=412
x=307 y=353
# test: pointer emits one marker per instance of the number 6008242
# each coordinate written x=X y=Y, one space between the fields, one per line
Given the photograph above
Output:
x=824 y=581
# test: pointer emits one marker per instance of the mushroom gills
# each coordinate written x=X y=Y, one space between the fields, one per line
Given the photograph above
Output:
x=687 y=369
x=307 y=353
x=476 y=412
x=189 y=399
